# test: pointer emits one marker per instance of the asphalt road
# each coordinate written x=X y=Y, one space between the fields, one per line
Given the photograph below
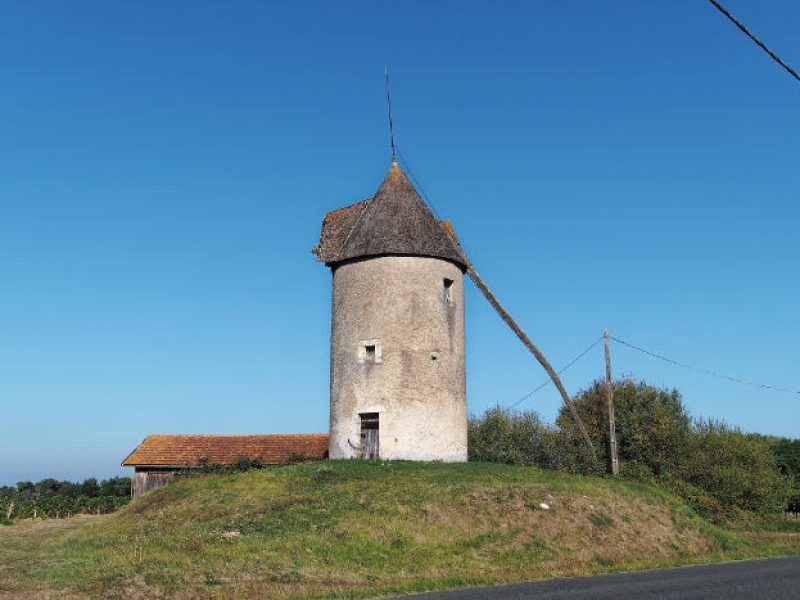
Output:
x=771 y=579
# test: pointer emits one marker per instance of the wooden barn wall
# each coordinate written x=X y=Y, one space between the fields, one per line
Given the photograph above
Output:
x=144 y=481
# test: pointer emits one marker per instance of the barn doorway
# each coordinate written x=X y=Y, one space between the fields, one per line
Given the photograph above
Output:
x=369 y=436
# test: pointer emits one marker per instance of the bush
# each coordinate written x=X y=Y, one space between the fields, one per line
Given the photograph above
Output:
x=787 y=456
x=701 y=500
x=513 y=438
x=736 y=469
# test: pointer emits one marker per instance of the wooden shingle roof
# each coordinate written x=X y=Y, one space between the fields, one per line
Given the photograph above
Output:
x=395 y=222
x=189 y=450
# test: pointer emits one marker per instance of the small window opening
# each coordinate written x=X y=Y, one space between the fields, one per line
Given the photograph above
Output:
x=434 y=356
x=369 y=352
x=448 y=290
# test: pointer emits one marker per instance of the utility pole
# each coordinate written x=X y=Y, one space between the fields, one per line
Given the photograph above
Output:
x=612 y=424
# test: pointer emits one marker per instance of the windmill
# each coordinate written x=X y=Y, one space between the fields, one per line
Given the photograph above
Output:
x=398 y=382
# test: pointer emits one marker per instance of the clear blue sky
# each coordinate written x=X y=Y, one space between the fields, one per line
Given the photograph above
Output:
x=164 y=168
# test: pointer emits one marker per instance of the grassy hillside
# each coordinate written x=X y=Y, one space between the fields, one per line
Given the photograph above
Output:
x=359 y=529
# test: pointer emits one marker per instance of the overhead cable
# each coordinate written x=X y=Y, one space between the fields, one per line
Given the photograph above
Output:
x=564 y=368
x=705 y=371
x=417 y=183
x=757 y=41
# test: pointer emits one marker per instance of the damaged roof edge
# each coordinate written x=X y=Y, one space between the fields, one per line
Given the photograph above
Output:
x=396 y=222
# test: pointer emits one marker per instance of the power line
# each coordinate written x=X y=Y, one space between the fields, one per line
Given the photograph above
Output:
x=424 y=195
x=704 y=371
x=417 y=184
x=564 y=368
x=757 y=41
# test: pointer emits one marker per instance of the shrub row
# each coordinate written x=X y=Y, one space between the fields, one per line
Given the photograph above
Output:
x=718 y=469
x=58 y=507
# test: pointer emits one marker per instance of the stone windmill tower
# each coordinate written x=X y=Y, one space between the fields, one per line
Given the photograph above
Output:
x=398 y=388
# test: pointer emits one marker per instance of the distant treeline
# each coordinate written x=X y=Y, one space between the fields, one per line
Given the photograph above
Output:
x=718 y=469
x=56 y=499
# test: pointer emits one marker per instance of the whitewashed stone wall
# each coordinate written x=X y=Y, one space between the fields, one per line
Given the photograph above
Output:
x=397 y=349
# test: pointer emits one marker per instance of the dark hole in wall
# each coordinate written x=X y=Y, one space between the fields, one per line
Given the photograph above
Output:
x=448 y=290
x=370 y=353
x=369 y=420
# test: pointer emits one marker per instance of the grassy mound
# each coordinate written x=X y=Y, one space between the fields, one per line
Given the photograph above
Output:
x=362 y=528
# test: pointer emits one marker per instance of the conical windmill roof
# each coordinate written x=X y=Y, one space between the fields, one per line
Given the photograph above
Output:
x=395 y=222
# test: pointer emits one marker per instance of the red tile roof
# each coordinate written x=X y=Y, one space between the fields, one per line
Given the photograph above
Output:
x=188 y=450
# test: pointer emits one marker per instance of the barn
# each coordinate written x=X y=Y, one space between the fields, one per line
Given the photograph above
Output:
x=159 y=457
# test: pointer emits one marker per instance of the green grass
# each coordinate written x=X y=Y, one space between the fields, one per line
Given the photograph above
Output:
x=601 y=520
x=356 y=529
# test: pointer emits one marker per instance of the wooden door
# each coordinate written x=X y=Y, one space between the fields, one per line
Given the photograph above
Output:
x=370 y=445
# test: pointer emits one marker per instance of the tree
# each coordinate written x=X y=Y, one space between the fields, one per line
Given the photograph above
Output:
x=89 y=488
x=653 y=426
x=25 y=489
x=116 y=486
x=47 y=487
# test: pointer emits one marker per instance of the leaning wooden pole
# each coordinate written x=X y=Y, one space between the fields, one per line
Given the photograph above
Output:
x=612 y=421
x=487 y=293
